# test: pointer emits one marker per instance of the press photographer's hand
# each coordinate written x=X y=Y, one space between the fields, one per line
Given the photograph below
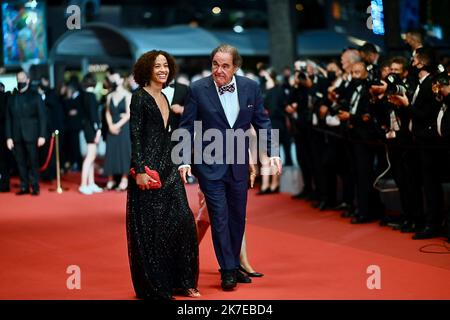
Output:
x=399 y=100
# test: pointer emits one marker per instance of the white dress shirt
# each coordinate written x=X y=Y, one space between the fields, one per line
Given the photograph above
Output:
x=354 y=102
x=230 y=103
x=440 y=117
x=169 y=92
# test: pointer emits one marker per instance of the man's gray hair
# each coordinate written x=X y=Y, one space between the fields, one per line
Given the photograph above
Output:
x=226 y=48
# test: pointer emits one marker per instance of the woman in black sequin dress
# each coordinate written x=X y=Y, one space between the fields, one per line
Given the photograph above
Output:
x=161 y=232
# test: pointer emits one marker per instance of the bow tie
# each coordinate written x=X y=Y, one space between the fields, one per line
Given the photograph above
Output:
x=228 y=88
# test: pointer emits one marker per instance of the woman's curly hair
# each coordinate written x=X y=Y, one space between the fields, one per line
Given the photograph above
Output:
x=143 y=68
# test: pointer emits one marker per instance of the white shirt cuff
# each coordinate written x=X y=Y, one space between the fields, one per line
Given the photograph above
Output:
x=184 y=166
x=333 y=121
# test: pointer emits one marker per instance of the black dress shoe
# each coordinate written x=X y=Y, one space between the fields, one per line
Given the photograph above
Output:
x=427 y=233
x=318 y=204
x=264 y=192
x=341 y=207
x=229 y=280
x=407 y=227
x=35 y=192
x=388 y=221
x=276 y=190
x=302 y=195
x=22 y=192
x=325 y=206
x=251 y=274
x=362 y=220
x=349 y=214
x=6 y=189
x=242 y=278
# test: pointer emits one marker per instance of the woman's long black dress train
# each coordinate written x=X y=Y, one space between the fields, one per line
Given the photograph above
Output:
x=161 y=232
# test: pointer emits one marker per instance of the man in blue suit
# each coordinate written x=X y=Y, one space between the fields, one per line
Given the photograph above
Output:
x=225 y=102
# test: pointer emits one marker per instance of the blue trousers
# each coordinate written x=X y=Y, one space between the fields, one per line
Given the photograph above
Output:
x=226 y=200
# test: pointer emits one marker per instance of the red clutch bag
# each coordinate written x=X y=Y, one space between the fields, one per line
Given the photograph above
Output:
x=153 y=174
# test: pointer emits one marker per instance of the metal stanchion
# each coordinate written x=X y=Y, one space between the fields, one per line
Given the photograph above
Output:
x=58 y=189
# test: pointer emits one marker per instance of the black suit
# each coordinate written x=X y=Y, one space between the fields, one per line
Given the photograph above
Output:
x=302 y=132
x=445 y=123
x=5 y=154
x=364 y=132
x=179 y=97
x=25 y=123
x=424 y=112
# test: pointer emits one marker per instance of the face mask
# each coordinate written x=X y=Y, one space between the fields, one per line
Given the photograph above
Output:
x=447 y=101
x=21 y=85
x=357 y=82
x=413 y=71
x=331 y=76
x=113 y=86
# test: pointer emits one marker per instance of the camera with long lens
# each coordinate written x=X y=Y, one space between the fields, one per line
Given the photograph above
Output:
x=373 y=78
x=395 y=85
x=440 y=80
x=301 y=72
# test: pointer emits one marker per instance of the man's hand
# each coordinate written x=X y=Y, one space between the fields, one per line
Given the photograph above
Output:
x=332 y=95
x=379 y=90
x=40 y=142
x=276 y=162
x=344 y=115
x=365 y=117
x=290 y=109
x=10 y=144
x=183 y=172
x=323 y=112
x=401 y=101
x=253 y=172
x=178 y=109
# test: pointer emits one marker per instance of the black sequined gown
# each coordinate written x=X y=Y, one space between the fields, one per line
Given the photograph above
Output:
x=161 y=232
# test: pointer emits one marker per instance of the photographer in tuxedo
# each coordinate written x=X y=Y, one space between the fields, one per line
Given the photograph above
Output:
x=441 y=88
x=177 y=94
x=300 y=117
x=424 y=110
x=404 y=160
x=362 y=129
x=5 y=154
x=25 y=132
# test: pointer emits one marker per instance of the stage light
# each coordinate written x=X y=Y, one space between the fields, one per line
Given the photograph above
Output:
x=31 y=4
x=216 y=10
x=238 y=29
x=299 y=7
x=377 y=16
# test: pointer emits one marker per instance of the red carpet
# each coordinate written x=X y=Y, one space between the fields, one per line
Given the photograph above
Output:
x=304 y=254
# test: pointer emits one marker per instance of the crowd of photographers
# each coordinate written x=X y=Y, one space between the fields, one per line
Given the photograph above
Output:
x=356 y=119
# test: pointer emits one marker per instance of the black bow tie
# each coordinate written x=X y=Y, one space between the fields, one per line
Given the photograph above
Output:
x=228 y=88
